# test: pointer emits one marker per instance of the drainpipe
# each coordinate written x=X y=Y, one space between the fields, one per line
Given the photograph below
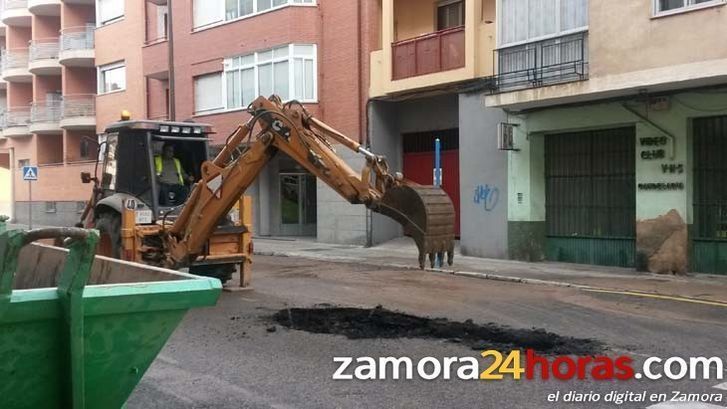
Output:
x=170 y=62
x=12 y=184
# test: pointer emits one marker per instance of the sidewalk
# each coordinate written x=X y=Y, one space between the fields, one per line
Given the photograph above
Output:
x=402 y=253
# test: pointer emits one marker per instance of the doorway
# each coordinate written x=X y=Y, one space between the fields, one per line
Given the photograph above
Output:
x=710 y=195
x=298 y=210
x=590 y=194
x=419 y=163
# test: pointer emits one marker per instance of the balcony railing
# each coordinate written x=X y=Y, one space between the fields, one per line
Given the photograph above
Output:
x=12 y=59
x=77 y=38
x=16 y=4
x=434 y=52
x=552 y=61
x=81 y=105
x=47 y=111
x=17 y=116
x=44 y=49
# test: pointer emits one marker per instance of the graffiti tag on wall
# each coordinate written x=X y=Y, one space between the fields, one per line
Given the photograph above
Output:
x=487 y=196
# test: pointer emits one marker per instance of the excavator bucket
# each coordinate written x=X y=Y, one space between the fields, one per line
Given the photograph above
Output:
x=427 y=215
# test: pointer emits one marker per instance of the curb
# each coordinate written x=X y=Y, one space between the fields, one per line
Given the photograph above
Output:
x=499 y=278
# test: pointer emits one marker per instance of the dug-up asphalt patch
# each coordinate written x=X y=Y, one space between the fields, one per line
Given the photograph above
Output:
x=371 y=323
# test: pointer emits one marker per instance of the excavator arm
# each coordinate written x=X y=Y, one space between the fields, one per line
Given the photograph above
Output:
x=425 y=212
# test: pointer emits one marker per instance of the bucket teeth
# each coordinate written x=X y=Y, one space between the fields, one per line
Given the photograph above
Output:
x=427 y=215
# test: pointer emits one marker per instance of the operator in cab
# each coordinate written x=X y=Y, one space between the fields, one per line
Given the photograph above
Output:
x=171 y=177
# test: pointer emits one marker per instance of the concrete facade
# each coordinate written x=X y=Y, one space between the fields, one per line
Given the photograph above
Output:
x=483 y=180
x=527 y=177
x=674 y=82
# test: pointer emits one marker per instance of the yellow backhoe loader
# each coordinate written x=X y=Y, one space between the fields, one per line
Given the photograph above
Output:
x=187 y=224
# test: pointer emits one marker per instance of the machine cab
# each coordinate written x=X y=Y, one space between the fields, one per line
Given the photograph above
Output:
x=154 y=163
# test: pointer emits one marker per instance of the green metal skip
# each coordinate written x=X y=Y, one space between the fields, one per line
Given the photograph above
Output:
x=79 y=331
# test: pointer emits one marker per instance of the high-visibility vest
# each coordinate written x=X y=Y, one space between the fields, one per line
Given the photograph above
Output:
x=159 y=164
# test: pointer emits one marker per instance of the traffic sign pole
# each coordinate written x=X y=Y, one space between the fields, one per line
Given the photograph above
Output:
x=438 y=179
x=30 y=174
x=30 y=205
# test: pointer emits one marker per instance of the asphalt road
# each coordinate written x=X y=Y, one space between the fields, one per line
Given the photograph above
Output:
x=227 y=356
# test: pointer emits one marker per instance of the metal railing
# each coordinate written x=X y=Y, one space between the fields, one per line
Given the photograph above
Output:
x=43 y=49
x=16 y=58
x=77 y=38
x=46 y=111
x=79 y=105
x=16 y=4
x=17 y=116
x=540 y=63
x=429 y=53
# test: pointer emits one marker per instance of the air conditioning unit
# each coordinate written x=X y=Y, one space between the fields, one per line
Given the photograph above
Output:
x=506 y=136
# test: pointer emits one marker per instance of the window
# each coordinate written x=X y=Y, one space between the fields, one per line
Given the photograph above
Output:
x=84 y=149
x=50 y=207
x=670 y=6
x=162 y=21
x=450 y=14
x=288 y=71
x=522 y=21
x=112 y=78
x=23 y=162
x=208 y=93
x=208 y=12
x=108 y=11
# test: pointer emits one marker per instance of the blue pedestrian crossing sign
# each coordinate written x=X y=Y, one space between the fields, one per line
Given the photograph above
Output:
x=30 y=173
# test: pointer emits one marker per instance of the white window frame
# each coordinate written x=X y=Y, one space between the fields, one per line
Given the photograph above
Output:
x=120 y=17
x=498 y=19
x=255 y=66
x=100 y=70
x=689 y=5
x=223 y=11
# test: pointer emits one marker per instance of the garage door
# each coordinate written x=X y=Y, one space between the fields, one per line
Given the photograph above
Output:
x=419 y=162
x=591 y=197
x=710 y=195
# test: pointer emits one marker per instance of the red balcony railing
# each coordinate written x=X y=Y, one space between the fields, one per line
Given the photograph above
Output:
x=429 y=53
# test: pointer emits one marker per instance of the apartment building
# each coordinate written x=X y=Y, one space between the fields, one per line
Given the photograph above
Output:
x=72 y=66
x=49 y=82
x=206 y=60
x=618 y=117
x=432 y=60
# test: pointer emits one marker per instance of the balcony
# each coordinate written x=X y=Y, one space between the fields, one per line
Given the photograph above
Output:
x=45 y=7
x=78 y=112
x=429 y=53
x=15 y=66
x=77 y=46
x=16 y=122
x=45 y=118
x=542 y=63
x=16 y=13
x=3 y=27
x=43 y=57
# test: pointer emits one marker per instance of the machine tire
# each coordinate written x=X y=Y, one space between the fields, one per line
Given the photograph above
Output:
x=109 y=223
x=222 y=272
